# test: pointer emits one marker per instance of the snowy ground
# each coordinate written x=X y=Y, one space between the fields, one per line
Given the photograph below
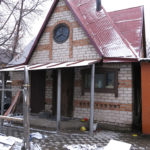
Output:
x=50 y=140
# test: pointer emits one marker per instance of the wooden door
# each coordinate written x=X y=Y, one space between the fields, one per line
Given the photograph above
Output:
x=37 y=91
x=67 y=86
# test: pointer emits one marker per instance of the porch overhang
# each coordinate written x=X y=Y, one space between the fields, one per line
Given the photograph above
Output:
x=48 y=66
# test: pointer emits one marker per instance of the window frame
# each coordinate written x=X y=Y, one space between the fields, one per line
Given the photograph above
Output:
x=99 y=70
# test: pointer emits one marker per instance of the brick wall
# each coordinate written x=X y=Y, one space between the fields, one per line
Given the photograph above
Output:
x=108 y=108
x=77 y=46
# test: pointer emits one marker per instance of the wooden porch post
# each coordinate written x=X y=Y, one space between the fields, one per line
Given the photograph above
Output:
x=2 y=96
x=26 y=104
x=92 y=99
x=58 y=99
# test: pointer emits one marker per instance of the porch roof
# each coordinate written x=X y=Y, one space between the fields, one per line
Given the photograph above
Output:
x=48 y=66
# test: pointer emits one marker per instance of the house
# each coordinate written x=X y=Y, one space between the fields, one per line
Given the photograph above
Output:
x=74 y=36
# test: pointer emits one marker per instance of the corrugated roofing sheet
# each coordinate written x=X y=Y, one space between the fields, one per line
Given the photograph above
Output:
x=100 y=28
x=52 y=65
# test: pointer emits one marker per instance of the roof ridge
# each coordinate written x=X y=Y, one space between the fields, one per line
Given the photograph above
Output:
x=140 y=6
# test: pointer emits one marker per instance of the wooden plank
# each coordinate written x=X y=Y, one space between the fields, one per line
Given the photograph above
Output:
x=11 y=118
x=14 y=102
x=10 y=90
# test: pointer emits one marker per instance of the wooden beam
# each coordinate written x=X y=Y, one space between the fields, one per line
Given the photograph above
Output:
x=26 y=104
x=11 y=119
x=58 y=100
x=11 y=90
x=13 y=104
x=92 y=99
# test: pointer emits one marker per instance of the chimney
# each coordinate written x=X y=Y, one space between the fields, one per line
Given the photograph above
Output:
x=98 y=5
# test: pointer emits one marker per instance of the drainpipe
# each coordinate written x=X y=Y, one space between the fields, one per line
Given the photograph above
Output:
x=98 y=5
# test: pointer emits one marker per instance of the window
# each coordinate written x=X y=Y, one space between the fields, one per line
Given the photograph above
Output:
x=106 y=80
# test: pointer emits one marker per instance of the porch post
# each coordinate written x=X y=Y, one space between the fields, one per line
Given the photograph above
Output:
x=2 y=96
x=58 y=99
x=92 y=99
x=26 y=104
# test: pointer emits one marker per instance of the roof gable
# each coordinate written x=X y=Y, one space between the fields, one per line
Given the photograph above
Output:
x=109 y=33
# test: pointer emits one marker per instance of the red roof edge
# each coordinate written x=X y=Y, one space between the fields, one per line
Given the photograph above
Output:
x=77 y=19
x=114 y=59
x=41 y=30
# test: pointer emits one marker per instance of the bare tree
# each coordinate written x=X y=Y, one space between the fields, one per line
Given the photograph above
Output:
x=16 y=17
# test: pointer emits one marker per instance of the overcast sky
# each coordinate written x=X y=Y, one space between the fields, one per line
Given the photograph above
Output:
x=109 y=5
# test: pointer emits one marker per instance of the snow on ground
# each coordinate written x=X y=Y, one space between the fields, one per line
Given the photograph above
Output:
x=112 y=145
x=82 y=147
x=117 y=145
x=6 y=142
x=13 y=143
x=36 y=135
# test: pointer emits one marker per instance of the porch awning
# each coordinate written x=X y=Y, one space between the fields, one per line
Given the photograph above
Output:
x=48 y=66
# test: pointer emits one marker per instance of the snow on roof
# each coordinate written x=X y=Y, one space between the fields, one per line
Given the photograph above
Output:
x=21 y=57
x=130 y=23
x=46 y=66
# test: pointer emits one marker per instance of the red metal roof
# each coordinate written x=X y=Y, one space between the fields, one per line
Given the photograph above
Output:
x=103 y=33
x=130 y=23
x=116 y=35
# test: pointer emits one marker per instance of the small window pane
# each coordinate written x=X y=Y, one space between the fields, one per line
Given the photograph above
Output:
x=87 y=81
x=99 y=81
x=110 y=80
